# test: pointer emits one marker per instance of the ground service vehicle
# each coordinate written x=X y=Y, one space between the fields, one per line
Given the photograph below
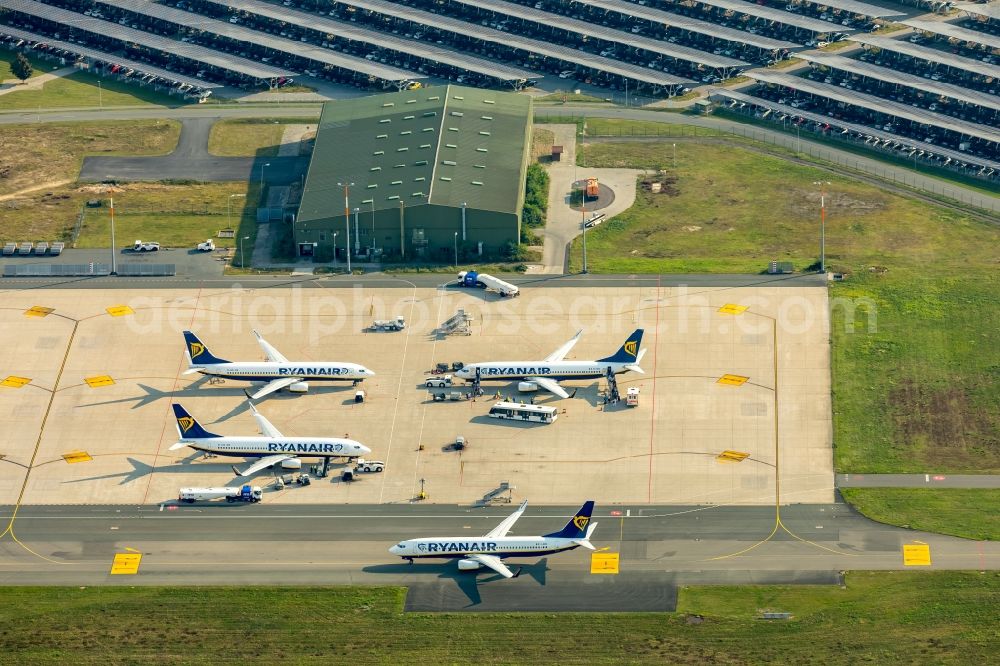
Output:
x=488 y=282
x=397 y=324
x=632 y=397
x=246 y=493
x=369 y=465
x=207 y=246
x=147 y=246
x=439 y=381
x=519 y=411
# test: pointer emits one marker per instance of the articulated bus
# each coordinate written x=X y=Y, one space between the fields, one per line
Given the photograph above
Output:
x=519 y=411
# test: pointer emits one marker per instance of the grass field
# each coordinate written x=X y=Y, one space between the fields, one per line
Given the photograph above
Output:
x=946 y=176
x=917 y=392
x=250 y=137
x=34 y=155
x=172 y=215
x=7 y=57
x=973 y=513
x=40 y=163
x=80 y=90
x=885 y=617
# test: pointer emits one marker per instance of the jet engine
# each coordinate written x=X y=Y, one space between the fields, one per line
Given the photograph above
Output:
x=291 y=463
x=468 y=565
x=299 y=387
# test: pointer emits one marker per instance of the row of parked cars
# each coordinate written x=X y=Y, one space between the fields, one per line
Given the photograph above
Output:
x=27 y=248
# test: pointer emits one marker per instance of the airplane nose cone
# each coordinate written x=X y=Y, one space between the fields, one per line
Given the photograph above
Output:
x=369 y=372
x=363 y=449
x=394 y=550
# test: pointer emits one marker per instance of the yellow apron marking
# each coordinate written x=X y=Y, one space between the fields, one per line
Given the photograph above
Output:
x=604 y=563
x=733 y=309
x=916 y=555
x=126 y=563
x=120 y=310
x=13 y=381
x=728 y=456
x=39 y=311
x=76 y=457
x=99 y=380
x=733 y=380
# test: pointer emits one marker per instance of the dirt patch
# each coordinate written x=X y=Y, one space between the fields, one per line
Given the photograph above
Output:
x=941 y=426
x=35 y=188
x=662 y=183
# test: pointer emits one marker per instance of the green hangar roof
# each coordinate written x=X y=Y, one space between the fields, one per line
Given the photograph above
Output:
x=444 y=145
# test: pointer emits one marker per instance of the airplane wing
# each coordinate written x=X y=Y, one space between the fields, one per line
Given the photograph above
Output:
x=495 y=563
x=273 y=354
x=263 y=463
x=508 y=522
x=550 y=385
x=560 y=353
x=266 y=428
x=275 y=385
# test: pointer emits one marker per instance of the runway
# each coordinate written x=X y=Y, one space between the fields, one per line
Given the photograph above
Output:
x=661 y=547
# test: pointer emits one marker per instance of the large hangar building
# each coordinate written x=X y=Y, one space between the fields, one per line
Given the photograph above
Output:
x=419 y=166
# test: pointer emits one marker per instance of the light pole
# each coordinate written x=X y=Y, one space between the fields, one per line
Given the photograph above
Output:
x=229 y=209
x=335 y=247
x=347 y=221
x=822 y=223
x=456 y=248
x=114 y=258
x=100 y=95
x=265 y=164
x=357 y=236
x=372 y=202
x=675 y=157
x=464 y=204
x=243 y=257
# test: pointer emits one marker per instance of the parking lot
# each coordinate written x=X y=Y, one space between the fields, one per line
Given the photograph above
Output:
x=106 y=440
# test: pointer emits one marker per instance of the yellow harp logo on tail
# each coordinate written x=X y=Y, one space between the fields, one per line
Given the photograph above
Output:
x=581 y=522
x=186 y=423
x=196 y=349
x=630 y=347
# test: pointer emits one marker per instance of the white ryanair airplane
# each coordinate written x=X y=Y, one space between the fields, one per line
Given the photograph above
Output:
x=547 y=372
x=491 y=549
x=277 y=371
x=272 y=448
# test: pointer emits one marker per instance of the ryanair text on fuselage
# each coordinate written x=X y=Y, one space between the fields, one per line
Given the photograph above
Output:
x=313 y=372
x=304 y=447
x=457 y=547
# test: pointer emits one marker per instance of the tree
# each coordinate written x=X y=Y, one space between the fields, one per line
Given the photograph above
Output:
x=21 y=68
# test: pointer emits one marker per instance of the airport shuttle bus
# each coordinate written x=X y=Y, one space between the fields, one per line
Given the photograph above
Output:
x=519 y=411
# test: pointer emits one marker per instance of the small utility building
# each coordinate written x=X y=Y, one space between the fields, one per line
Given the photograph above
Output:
x=420 y=166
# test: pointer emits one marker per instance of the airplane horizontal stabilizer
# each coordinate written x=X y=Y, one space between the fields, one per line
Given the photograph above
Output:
x=177 y=446
x=634 y=367
x=585 y=541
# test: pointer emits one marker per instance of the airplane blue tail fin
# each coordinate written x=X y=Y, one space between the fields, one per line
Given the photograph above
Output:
x=199 y=352
x=628 y=352
x=188 y=427
x=576 y=528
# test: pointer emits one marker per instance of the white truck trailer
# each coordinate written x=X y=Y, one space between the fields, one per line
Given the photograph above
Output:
x=488 y=282
x=250 y=494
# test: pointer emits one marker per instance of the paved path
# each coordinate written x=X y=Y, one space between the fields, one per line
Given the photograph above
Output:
x=186 y=279
x=34 y=83
x=563 y=224
x=918 y=480
x=661 y=547
x=192 y=161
